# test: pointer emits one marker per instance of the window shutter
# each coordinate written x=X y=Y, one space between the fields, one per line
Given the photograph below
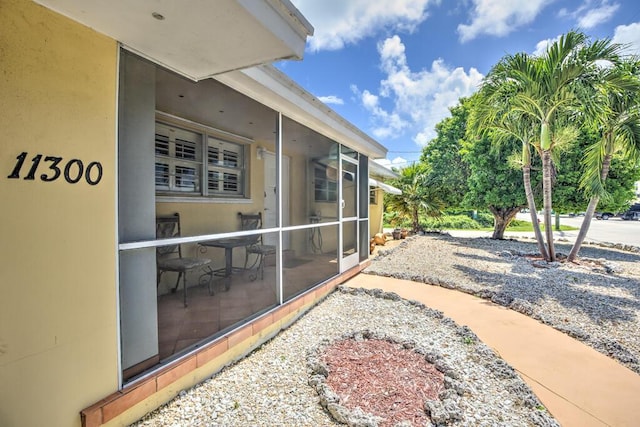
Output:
x=213 y=155
x=162 y=145
x=186 y=149
x=179 y=165
x=162 y=176
x=231 y=182
x=226 y=167
x=230 y=158
x=187 y=179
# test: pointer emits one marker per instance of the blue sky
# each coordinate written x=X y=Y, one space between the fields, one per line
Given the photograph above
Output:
x=394 y=67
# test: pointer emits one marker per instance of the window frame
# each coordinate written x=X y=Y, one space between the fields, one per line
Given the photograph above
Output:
x=373 y=196
x=323 y=184
x=237 y=147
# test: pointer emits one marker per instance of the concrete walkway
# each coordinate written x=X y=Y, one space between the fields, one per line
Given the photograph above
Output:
x=578 y=385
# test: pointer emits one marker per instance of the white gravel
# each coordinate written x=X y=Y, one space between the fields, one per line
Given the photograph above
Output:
x=597 y=301
x=271 y=386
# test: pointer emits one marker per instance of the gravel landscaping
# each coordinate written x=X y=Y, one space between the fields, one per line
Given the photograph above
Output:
x=596 y=301
x=280 y=384
x=285 y=382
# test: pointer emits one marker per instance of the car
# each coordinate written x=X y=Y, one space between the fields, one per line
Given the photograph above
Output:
x=631 y=216
x=604 y=215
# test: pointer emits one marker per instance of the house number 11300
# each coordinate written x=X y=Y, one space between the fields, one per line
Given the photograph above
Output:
x=73 y=170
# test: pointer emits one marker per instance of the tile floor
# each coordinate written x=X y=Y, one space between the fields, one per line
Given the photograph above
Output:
x=180 y=327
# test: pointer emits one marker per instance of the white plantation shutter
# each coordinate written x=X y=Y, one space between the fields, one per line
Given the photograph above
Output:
x=180 y=169
x=225 y=167
x=178 y=159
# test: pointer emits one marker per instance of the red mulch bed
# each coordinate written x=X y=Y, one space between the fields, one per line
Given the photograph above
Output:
x=383 y=379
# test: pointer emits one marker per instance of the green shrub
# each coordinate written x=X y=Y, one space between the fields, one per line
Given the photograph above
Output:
x=485 y=219
x=457 y=222
x=393 y=220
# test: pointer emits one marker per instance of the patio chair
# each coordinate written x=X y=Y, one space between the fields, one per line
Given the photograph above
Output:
x=254 y=244
x=169 y=258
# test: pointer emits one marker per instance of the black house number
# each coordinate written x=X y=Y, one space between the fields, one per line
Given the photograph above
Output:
x=73 y=170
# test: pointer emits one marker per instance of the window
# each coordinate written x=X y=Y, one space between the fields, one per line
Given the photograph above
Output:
x=372 y=197
x=224 y=167
x=178 y=159
x=180 y=169
x=326 y=189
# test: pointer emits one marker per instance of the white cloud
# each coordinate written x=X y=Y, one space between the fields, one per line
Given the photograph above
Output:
x=598 y=15
x=542 y=45
x=417 y=100
x=591 y=13
x=331 y=99
x=499 y=17
x=339 y=22
x=389 y=123
x=628 y=35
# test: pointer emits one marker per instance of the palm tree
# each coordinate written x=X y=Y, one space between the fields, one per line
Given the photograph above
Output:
x=494 y=120
x=619 y=125
x=417 y=196
x=545 y=90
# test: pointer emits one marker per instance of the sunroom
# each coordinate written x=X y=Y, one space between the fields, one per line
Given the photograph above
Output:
x=207 y=155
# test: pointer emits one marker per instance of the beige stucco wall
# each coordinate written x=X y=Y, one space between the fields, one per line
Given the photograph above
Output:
x=375 y=213
x=58 y=339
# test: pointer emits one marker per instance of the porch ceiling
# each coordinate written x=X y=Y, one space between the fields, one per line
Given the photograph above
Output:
x=197 y=38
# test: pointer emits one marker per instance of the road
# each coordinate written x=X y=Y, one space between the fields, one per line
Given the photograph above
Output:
x=613 y=230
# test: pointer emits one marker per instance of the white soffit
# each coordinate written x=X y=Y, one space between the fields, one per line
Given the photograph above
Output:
x=196 y=38
x=385 y=187
x=271 y=87
x=376 y=169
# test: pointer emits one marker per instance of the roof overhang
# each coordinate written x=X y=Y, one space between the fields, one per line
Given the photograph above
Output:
x=271 y=87
x=385 y=187
x=376 y=169
x=196 y=38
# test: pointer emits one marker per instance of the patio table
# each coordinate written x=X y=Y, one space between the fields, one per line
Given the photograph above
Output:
x=228 y=245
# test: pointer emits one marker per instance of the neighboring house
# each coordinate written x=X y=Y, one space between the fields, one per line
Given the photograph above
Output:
x=377 y=173
x=118 y=113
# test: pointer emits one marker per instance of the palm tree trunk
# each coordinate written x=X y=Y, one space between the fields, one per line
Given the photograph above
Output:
x=415 y=219
x=526 y=177
x=584 y=228
x=593 y=203
x=547 y=204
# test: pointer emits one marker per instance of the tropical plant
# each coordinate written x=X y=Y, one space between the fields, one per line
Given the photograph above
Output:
x=418 y=196
x=546 y=91
x=622 y=175
x=490 y=166
x=487 y=155
x=447 y=170
x=618 y=122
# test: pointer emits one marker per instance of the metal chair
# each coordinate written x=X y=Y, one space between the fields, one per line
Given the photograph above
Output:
x=169 y=258
x=254 y=243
